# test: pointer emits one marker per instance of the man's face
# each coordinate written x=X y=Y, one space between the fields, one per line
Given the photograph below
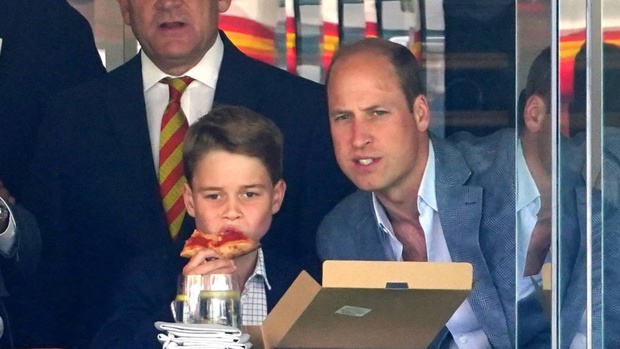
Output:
x=175 y=34
x=378 y=140
x=233 y=191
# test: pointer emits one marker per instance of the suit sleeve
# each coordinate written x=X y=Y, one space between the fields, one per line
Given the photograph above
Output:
x=143 y=298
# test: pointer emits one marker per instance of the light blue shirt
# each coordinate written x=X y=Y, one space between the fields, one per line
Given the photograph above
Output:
x=463 y=324
x=528 y=206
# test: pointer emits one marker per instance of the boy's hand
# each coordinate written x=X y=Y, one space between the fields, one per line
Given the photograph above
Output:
x=207 y=261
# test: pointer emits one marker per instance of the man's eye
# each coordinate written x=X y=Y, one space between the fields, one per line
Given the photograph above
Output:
x=250 y=194
x=212 y=196
x=379 y=112
x=340 y=117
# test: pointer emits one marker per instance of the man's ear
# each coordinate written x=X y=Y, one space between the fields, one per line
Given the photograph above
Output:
x=279 y=189
x=534 y=113
x=188 y=199
x=223 y=5
x=421 y=112
x=124 y=6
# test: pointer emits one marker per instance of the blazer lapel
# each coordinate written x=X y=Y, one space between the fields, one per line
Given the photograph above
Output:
x=127 y=115
x=371 y=243
x=460 y=210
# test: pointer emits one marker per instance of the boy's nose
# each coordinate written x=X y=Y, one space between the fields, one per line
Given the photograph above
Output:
x=232 y=210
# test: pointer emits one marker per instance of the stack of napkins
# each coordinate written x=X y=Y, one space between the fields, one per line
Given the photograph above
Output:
x=201 y=336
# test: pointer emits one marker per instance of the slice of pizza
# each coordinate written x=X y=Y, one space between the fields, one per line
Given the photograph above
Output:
x=228 y=243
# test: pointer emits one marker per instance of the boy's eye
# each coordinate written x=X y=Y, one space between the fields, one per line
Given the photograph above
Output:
x=250 y=194
x=212 y=196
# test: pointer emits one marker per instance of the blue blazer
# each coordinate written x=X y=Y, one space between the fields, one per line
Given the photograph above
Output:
x=94 y=177
x=475 y=194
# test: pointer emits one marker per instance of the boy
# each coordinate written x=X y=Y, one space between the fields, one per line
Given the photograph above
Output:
x=232 y=160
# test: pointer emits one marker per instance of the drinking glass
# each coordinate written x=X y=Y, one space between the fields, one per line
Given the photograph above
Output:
x=186 y=306
x=219 y=300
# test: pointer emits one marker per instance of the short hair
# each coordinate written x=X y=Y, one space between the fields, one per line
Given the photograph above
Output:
x=611 y=83
x=237 y=130
x=408 y=70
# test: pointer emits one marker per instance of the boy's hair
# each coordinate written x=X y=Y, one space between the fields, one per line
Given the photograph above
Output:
x=408 y=70
x=237 y=130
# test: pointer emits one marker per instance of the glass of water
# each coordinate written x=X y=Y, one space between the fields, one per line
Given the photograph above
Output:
x=219 y=300
x=186 y=306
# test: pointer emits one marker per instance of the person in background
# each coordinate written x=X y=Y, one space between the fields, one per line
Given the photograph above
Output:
x=421 y=198
x=107 y=178
x=45 y=48
x=233 y=164
x=20 y=249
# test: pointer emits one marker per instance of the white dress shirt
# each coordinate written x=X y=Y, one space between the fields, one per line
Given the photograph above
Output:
x=528 y=206
x=197 y=99
x=7 y=237
x=463 y=325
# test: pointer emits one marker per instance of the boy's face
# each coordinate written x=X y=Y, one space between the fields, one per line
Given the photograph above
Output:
x=233 y=190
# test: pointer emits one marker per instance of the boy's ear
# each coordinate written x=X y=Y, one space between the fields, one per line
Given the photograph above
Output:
x=535 y=113
x=279 y=189
x=188 y=199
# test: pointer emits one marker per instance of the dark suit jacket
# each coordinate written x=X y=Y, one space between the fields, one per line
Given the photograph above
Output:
x=149 y=288
x=475 y=197
x=47 y=46
x=95 y=191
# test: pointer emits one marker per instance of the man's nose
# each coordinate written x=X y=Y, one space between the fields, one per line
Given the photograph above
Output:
x=168 y=4
x=360 y=134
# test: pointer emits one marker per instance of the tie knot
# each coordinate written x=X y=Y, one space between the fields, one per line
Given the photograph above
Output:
x=177 y=86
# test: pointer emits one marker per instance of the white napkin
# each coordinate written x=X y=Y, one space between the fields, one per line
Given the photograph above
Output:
x=201 y=336
x=171 y=341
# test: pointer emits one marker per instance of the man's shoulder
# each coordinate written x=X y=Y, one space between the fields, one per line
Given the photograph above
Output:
x=266 y=74
x=483 y=153
x=96 y=89
x=350 y=209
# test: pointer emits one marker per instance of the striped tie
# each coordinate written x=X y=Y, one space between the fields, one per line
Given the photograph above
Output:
x=171 y=178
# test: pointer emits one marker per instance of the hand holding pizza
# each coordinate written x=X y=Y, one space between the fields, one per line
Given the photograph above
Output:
x=206 y=261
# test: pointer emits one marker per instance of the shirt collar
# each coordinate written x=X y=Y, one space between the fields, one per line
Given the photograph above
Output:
x=206 y=71
x=260 y=271
x=527 y=191
x=426 y=193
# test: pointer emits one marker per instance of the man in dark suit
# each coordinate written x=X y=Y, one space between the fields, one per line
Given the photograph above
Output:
x=421 y=198
x=45 y=47
x=95 y=187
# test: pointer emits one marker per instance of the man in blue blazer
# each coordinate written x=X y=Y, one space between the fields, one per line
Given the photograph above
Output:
x=95 y=189
x=421 y=198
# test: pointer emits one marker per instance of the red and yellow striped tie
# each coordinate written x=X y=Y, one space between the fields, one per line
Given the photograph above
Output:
x=171 y=178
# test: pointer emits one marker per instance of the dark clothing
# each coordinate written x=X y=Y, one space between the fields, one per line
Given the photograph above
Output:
x=96 y=195
x=47 y=46
x=150 y=286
